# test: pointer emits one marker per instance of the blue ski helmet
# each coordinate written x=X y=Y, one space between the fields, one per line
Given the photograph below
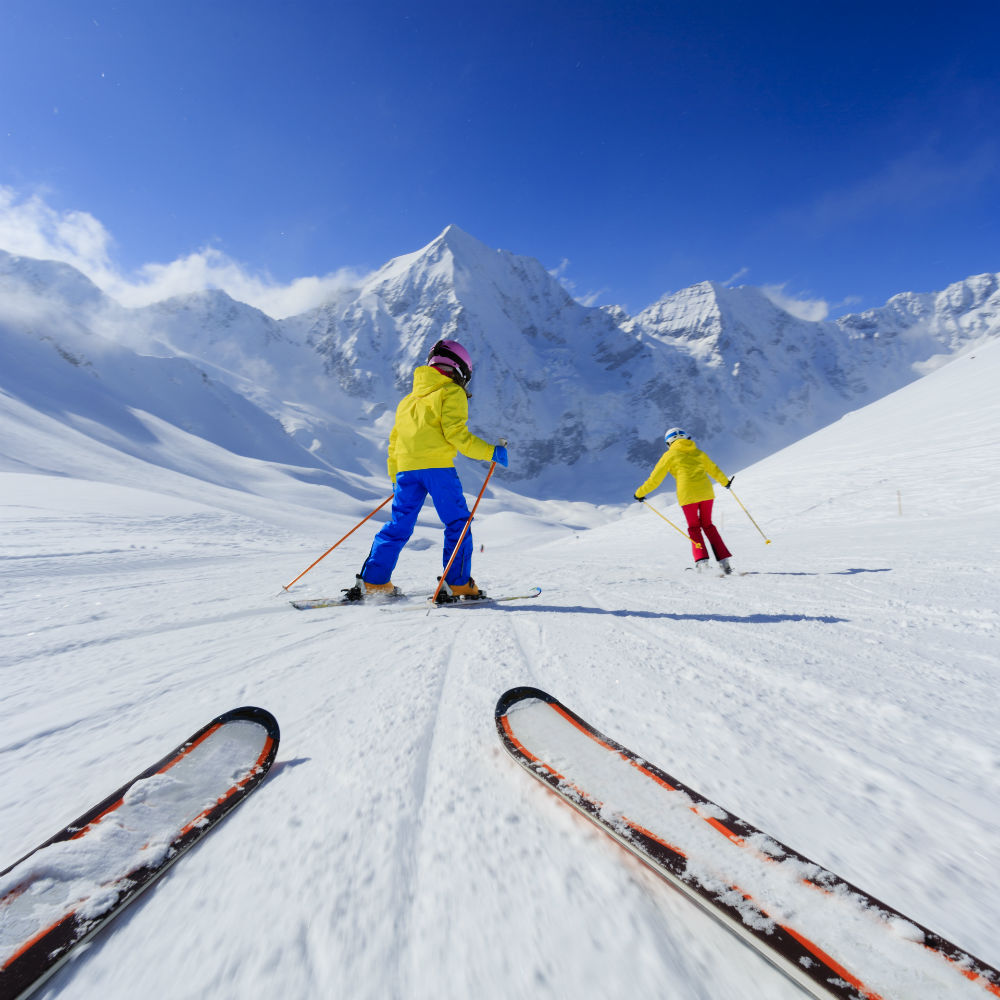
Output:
x=673 y=434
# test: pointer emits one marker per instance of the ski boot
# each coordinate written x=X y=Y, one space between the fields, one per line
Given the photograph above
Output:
x=467 y=591
x=363 y=589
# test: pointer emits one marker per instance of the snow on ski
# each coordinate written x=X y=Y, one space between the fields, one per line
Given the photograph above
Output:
x=68 y=888
x=314 y=603
x=827 y=935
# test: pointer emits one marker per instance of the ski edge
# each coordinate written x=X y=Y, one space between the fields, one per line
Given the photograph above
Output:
x=657 y=855
x=408 y=602
x=58 y=943
x=660 y=865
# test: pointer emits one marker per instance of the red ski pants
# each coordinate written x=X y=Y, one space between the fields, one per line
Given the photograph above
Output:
x=699 y=519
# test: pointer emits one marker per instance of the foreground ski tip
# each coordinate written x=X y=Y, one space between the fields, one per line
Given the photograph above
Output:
x=65 y=890
x=827 y=935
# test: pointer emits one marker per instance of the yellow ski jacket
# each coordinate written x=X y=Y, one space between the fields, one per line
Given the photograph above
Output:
x=691 y=467
x=430 y=426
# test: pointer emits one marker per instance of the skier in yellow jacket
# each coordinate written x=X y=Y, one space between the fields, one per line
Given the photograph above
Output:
x=691 y=467
x=429 y=431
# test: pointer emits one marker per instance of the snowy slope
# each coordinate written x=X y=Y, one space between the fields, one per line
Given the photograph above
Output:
x=841 y=696
x=56 y=363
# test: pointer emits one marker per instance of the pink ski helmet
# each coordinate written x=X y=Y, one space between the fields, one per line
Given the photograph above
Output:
x=450 y=354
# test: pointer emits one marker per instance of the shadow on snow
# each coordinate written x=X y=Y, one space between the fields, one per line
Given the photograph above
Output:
x=839 y=572
x=673 y=616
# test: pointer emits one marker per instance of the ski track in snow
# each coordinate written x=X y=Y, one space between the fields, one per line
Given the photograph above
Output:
x=841 y=696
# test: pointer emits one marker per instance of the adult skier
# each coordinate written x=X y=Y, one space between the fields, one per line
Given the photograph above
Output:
x=430 y=429
x=691 y=467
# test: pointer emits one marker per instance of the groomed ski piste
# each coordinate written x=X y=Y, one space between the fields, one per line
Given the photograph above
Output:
x=841 y=697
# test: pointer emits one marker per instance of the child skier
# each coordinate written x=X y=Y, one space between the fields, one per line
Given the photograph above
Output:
x=430 y=429
x=691 y=467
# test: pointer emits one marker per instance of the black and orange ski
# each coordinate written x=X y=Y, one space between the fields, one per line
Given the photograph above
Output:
x=828 y=936
x=68 y=888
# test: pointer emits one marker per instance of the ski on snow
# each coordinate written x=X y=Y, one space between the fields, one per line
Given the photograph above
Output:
x=410 y=601
x=68 y=888
x=827 y=935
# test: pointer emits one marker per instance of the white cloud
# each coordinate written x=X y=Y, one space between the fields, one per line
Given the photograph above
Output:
x=587 y=299
x=591 y=298
x=914 y=180
x=30 y=227
x=210 y=268
x=741 y=273
x=802 y=308
x=559 y=273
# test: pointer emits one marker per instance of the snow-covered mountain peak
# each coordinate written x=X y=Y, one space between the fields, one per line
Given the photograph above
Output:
x=465 y=249
x=457 y=287
x=705 y=309
x=212 y=308
x=463 y=270
x=206 y=299
x=971 y=293
x=716 y=325
x=692 y=317
x=965 y=312
x=49 y=279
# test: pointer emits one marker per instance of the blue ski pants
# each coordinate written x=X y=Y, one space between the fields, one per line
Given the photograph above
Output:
x=408 y=497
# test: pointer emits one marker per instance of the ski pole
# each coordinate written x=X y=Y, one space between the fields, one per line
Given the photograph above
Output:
x=672 y=525
x=465 y=528
x=767 y=541
x=335 y=544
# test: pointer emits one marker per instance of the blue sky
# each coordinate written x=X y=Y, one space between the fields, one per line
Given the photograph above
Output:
x=842 y=152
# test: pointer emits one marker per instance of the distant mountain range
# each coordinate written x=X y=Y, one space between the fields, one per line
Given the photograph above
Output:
x=583 y=394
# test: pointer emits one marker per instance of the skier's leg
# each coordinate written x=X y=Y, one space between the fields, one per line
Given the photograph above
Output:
x=446 y=493
x=692 y=516
x=408 y=497
x=712 y=532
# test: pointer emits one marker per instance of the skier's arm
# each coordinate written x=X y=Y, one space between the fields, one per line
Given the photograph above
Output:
x=391 y=462
x=713 y=470
x=454 y=417
x=656 y=477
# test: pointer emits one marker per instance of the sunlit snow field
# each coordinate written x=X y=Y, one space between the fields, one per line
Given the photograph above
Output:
x=842 y=696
